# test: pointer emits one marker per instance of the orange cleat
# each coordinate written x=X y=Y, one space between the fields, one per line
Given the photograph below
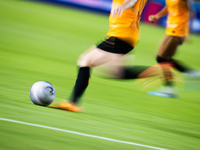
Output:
x=66 y=106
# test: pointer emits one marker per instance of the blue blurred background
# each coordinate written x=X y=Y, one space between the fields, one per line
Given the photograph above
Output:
x=152 y=7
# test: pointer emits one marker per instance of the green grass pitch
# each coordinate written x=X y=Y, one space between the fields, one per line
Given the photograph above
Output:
x=43 y=42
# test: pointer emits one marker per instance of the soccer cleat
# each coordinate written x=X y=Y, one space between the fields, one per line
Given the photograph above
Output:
x=66 y=106
x=165 y=91
x=193 y=74
x=168 y=95
x=192 y=81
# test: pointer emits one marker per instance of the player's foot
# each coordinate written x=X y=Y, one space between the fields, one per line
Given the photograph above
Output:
x=165 y=91
x=67 y=106
x=193 y=74
x=192 y=81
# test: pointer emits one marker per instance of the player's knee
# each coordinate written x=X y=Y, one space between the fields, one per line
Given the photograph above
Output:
x=83 y=63
x=161 y=60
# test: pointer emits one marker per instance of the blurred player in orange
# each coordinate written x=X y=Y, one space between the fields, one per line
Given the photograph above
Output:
x=122 y=38
x=179 y=13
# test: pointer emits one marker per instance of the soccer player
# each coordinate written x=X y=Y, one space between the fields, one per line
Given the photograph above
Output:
x=179 y=12
x=122 y=38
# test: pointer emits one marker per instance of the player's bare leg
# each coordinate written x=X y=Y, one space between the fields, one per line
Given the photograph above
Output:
x=98 y=57
x=169 y=46
x=167 y=50
x=92 y=58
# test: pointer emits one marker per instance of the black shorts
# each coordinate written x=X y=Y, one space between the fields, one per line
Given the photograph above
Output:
x=115 y=45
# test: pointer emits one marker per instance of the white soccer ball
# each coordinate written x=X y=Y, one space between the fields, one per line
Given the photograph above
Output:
x=42 y=93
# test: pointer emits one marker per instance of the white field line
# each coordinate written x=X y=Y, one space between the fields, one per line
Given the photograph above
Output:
x=79 y=133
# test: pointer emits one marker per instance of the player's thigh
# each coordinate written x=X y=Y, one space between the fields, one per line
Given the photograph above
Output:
x=98 y=57
x=169 y=46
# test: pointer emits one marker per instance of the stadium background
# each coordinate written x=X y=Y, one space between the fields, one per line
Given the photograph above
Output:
x=151 y=7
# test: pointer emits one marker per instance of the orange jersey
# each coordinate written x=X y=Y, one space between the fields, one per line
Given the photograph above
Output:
x=178 y=18
x=126 y=27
